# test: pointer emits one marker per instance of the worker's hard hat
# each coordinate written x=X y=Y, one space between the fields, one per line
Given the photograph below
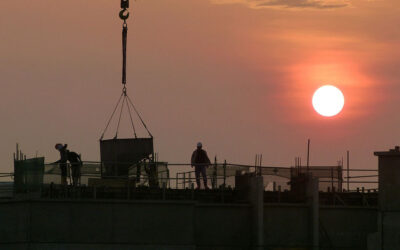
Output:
x=58 y=146
x=199 y=145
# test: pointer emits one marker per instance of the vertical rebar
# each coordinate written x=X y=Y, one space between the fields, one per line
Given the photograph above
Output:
x=348 y=170
x=214 y=184
x=255 y=164
x=308 y=155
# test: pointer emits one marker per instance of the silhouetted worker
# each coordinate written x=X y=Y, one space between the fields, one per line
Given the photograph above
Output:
x=62 y=161
x=200 y=162
x=76 y=164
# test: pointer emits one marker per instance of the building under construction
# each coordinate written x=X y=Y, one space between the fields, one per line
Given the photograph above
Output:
x=248 y=207
x=130 y=200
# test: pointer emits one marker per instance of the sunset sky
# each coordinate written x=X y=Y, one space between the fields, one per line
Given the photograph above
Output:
x=237 y=75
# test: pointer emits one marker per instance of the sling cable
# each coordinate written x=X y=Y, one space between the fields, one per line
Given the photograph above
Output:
x=126 y=100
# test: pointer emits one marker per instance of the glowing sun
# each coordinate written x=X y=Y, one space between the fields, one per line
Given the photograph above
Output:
x=328 y=100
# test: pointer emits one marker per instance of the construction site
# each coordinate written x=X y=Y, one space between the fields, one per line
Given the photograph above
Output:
x=248 y=207
x=132 y=200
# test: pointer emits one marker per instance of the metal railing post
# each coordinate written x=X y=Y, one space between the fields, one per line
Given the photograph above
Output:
x=215 y=180
x=224 y=173
x=164 y=186
x=168 y=179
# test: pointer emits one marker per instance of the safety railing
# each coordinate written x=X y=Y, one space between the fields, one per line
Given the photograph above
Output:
x=217 y=175
x=331 y=178
x=91 y=170
x=6 y=185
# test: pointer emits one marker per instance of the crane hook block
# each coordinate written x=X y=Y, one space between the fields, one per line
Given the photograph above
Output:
x=124 y=4
x=124 y=14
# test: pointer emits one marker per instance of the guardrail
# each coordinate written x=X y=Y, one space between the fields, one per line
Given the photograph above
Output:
x=6 y=185
x=333 y=178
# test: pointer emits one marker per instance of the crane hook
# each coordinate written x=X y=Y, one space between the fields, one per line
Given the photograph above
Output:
x=124 y=14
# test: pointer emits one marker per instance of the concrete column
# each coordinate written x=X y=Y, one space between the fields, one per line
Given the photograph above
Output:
x=257 y=212
x=312 y=193
x=389 y=199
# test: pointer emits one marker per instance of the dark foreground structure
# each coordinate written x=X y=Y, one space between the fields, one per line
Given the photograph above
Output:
x=129 y=216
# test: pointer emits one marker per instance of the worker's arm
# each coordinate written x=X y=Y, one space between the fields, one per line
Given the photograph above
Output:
x=193 y=158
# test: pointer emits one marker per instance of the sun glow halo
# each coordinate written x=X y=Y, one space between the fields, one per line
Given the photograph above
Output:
x=328 y=101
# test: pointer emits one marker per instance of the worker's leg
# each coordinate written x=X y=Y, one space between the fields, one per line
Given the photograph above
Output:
x=204 y=174
x=197 y=174
x=63 y=168
x=74 y=169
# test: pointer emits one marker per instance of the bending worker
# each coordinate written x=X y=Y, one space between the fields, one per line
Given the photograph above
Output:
x=200 y=161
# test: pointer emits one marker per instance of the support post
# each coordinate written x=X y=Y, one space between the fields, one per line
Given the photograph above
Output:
x=313 y=202
x=388 y=202
x=257 y=204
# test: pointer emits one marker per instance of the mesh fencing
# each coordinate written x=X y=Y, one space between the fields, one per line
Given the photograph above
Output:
x=31 y=174
x=217 y=175
x=28 y=175
x=144 y=174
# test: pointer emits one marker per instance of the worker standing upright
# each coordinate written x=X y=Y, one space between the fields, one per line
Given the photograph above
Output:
x=200 y=162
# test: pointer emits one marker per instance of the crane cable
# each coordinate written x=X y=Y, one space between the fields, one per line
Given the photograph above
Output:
x=124 y=15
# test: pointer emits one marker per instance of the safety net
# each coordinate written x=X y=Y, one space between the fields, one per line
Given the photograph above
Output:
x=28 y=175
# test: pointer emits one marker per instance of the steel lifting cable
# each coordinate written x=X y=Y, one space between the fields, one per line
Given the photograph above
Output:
x=124 y=14
x=124 y=40
x=130 y=115
x=144 y=124
x=112 y=115
x=120 y=115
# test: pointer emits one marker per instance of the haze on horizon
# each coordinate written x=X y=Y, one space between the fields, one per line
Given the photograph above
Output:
x=237 y=75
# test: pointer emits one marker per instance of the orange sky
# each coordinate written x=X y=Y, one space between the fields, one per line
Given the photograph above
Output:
x=237 y=75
